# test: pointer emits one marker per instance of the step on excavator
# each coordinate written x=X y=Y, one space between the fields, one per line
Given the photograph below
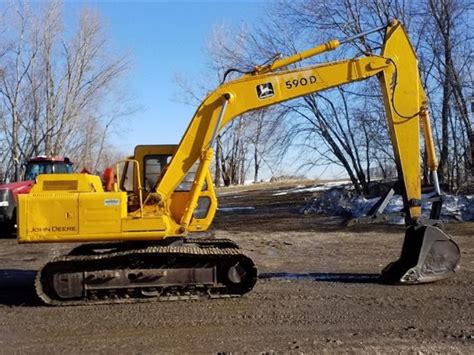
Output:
x=139 y=230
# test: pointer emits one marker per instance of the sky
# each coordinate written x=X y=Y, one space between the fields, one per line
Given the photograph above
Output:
x=165 y=39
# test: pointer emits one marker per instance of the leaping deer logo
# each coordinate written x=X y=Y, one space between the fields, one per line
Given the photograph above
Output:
x=265 y=90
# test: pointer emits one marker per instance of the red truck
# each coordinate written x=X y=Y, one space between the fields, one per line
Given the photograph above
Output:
x=9 y=191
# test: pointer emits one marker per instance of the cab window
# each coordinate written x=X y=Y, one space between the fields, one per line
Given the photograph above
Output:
x=187 y=183
x=127 y=176
x=154 y=165
x=61 y=168
x=35 y=169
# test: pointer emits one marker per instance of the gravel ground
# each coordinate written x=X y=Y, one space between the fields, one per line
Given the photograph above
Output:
x=318 y=291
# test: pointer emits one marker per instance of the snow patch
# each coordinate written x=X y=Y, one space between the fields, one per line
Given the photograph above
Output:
x=342 y=202
x=319 y=187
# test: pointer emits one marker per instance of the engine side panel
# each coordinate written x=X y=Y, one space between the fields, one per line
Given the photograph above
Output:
x=57 y=217
x=47 y=216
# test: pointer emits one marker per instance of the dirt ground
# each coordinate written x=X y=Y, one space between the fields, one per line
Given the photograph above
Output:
x=318 y=291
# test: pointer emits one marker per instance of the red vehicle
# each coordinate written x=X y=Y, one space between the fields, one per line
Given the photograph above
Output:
x=9 y=191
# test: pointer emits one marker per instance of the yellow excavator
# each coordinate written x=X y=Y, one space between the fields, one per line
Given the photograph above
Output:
x=163 y=194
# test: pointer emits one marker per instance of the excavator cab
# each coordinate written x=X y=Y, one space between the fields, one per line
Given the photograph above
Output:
x=152 y=163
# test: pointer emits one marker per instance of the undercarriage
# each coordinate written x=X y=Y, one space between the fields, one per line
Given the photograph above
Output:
x=122 y=272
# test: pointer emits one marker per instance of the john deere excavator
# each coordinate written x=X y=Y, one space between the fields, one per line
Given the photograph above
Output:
x=164 y=193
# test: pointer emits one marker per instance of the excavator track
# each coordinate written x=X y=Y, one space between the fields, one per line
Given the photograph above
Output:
x=95 y=248
x=121 y=273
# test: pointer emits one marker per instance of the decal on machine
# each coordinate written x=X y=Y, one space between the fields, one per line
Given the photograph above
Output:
x=53 y=229
x=303 y=81
x=111 y=202
x=265 y=91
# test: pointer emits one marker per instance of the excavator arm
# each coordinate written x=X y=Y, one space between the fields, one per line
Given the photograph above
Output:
x=428 y=253
x=254 y=92
x=396 y=69
x=250 y=93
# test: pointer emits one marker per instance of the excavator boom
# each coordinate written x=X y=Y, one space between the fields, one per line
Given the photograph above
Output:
x=428 y=253
x=161 y=214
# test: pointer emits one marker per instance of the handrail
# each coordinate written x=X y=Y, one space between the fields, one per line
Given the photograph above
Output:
x=139 y=183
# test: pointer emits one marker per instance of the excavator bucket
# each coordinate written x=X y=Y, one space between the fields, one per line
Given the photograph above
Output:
x=428 y=254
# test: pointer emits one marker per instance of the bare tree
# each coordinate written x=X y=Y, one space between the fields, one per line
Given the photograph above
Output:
x=345 y=126
x=333 y=126
x=54 y=86
x=450 y=41
x=334 y=122
x=254 y=139
x=18 y=58
x=233 y=152
x=266 y=136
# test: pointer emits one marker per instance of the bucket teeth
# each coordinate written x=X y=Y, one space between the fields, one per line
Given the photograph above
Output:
x=428 y=254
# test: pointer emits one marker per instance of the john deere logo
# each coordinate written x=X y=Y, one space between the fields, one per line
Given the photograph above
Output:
x=53 y=229
x=265 y=90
